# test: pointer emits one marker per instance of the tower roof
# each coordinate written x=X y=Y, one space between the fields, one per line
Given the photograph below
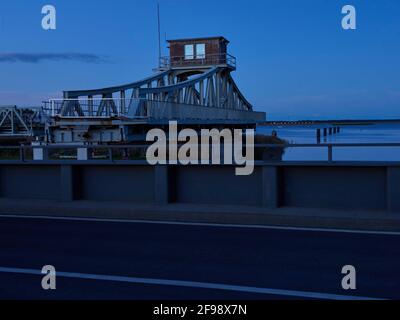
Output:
x=199 y=39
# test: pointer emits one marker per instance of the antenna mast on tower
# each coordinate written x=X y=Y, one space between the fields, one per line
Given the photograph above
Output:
x=159 y=35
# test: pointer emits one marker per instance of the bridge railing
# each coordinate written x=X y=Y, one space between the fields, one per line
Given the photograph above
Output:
x=98 y=107
x=198 y=61
x=263 y=153
x=142 y=108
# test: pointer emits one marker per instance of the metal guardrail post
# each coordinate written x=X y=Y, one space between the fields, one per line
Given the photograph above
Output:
x=393 y=187
x=21 y=154
x=67 y=187
x=270 y=187
x=330 y=153
x=161 y=184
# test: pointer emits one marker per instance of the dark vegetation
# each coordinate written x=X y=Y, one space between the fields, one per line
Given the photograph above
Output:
x=12 y=152
x=269 y=153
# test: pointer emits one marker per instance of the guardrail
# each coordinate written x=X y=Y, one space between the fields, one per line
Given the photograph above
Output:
x=135 y=108
x=198 y=61
x=137 y=153
x=343 y=185
x=95 y=107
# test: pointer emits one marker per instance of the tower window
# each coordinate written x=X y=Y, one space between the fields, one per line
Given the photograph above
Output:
x=200 y=51
x=189 y=52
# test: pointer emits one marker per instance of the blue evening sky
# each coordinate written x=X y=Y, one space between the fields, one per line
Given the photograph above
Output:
x=294 y=59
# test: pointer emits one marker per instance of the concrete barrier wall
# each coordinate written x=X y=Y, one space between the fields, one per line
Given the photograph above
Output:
x=115 y=183
x=30 y=182
x=335 y=187
x=217 y=185
x=347 y=187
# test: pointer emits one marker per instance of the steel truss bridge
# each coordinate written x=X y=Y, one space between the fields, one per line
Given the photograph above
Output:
x=20 y=122
x=200 y=92
x=212 y=88
x=190 y=92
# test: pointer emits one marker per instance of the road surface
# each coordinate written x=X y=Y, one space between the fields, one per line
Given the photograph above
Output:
x=138 y=260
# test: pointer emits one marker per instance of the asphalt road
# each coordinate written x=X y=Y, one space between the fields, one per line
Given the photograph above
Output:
x=121 y=260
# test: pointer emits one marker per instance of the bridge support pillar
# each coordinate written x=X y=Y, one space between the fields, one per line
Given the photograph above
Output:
x=270 y=187
x=393 y=189
x=82 y=154
x=161 y=184
x=39 y=154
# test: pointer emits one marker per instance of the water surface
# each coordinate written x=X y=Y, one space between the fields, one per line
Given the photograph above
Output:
x=368 y=133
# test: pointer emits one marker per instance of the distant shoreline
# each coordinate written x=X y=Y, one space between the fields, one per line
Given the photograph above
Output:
x=327 y=122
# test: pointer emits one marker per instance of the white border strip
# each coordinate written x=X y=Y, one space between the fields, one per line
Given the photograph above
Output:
x=191 y=284
x=200 y=224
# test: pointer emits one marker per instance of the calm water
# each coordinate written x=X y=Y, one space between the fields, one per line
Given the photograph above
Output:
x=376 y=133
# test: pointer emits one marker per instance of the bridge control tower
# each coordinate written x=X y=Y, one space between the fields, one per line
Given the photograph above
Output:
x=192 y=86
x=198 y=53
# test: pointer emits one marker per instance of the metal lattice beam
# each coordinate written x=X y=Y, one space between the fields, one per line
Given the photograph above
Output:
x=214 y=87
x=15 y=121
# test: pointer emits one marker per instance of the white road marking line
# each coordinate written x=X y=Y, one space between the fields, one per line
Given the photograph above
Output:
x=191 y=284
x=204 y=224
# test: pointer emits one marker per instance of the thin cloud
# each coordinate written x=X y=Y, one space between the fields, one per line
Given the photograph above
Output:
x=40 y=57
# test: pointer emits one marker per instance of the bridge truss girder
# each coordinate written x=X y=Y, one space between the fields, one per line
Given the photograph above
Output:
x=209 y=88
x=15 y=121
